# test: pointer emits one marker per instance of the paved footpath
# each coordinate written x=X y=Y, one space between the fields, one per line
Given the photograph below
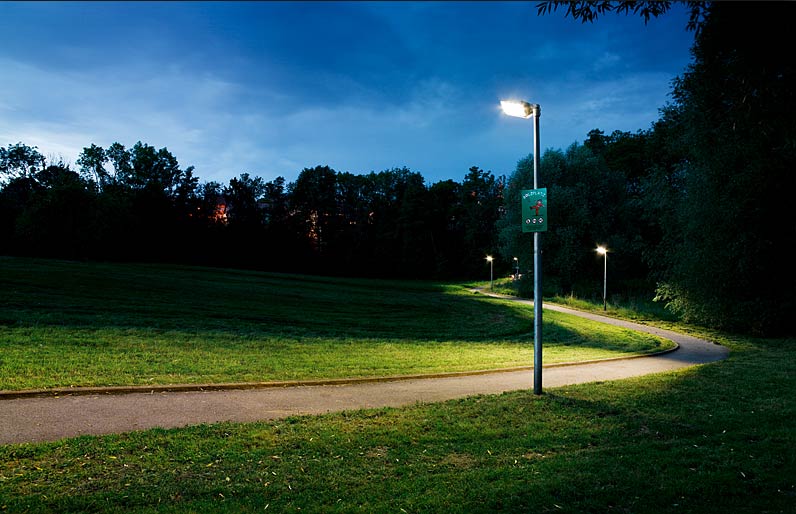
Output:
x=35 y=418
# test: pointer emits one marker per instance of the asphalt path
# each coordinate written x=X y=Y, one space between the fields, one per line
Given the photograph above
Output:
x=38 y=417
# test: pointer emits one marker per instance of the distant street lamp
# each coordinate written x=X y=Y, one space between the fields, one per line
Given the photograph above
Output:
x=522 y=109
x=489 y=259
x=604 y=252
x=516 y=269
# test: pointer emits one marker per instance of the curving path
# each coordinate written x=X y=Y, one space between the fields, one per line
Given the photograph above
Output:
x=36 y=418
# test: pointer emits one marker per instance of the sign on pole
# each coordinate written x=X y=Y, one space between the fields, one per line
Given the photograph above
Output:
x=534 y=210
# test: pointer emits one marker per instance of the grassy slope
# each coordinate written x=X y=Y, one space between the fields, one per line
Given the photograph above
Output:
x=709 y=439
x=80 y=324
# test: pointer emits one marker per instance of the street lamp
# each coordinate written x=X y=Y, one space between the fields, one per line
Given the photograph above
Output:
x=516 y=269
x=604 y=252
x=517 y=108
x=489 y=259
x=522 y=109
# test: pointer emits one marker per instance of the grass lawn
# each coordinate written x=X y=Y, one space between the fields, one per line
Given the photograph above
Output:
x=718 y=438
x=87 y=324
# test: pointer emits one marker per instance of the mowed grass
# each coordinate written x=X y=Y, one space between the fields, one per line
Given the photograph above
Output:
x=712 y=439
x=77 y=324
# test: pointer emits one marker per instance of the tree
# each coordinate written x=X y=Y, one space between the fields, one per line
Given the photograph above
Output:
x=92 y=165
x=20 y=161
x=353 y=245
x=242 y=195
x=733 y=120
x=58 y=218
x=120 y=157
x=275 y=202
x=211 y=208
x=279 y=233
x=412 y=232
x=721 y=193
x=631 y=157
x=588 y=201
x=481 y=205
x=591 y=10
x=14 y=198
x=445 y=233
x=153 y=169
x=314 y=200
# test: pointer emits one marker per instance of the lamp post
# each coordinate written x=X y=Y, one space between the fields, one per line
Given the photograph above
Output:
x=522 y=109
x=604 y=252
x=489 y=259
x=516 y=269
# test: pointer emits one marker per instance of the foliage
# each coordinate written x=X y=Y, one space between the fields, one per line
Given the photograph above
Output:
x=708 y=187
x=139 y=204
x=589 y=205
x=728 y=264
x=591 y=10
x=20 y=161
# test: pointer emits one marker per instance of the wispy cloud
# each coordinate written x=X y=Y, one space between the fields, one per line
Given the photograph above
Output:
x=271 y=88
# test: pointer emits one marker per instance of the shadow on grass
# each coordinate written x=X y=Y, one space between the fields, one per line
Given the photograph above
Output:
x=160 y=299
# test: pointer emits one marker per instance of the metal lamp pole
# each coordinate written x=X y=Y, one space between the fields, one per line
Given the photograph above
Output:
x=490 y=259
x=604 y=252
x=537 y=267
x=526 y=110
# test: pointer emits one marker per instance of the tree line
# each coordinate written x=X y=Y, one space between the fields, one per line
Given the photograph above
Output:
x=139 y=204
x=710 y=186
x=695 y=211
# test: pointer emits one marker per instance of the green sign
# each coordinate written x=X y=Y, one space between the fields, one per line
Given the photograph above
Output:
x=534 y=210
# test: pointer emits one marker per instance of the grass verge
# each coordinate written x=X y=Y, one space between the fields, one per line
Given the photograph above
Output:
x=86 y=324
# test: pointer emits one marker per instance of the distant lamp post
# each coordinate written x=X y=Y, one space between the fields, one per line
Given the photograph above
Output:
x=516 y=269
x=490 y=259
x=604 y=252
x=522 y=109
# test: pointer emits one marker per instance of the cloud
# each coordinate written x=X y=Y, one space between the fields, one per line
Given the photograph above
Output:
x=64 y=111
x=269 y=88
x=372 y=137
x=629 y=103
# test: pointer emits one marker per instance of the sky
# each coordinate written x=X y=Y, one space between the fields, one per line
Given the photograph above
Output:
x=271 y=88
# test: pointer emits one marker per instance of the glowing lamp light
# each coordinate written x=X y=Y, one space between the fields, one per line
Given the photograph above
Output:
x=517 y=108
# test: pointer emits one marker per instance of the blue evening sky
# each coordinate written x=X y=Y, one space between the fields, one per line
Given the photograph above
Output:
x=270 y=88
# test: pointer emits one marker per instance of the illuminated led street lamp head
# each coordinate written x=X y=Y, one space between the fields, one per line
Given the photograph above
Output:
x=517 y=108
